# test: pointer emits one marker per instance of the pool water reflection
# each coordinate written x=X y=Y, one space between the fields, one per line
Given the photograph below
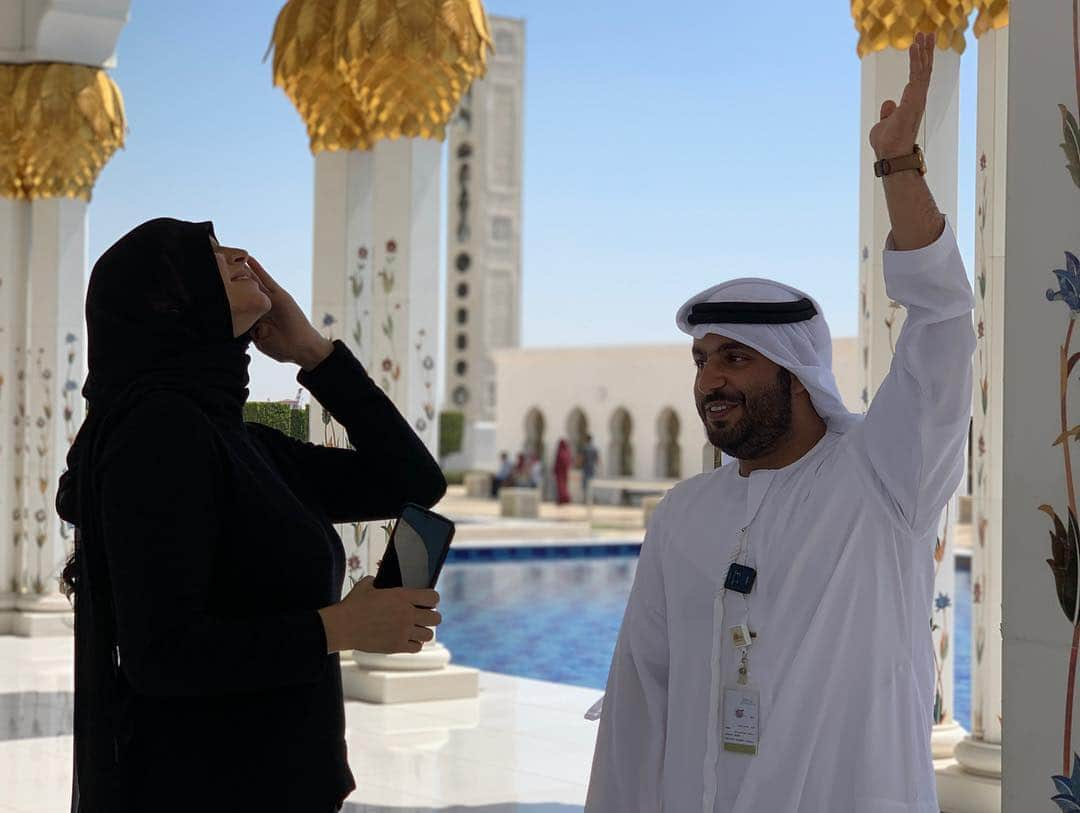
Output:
x=558 y=620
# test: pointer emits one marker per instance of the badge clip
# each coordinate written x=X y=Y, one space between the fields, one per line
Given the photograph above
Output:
x=740 y=578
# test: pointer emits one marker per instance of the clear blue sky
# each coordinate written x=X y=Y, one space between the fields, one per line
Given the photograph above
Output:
x=661 y=143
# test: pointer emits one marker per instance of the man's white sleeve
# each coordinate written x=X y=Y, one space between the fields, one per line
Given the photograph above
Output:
x=629 y=758
x=917 y=426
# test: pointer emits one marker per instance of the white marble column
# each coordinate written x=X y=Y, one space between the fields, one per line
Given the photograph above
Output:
x=376 y=286
x=884 y=75
x=1041 y=410
x=376 y=282
x=14 y=251
x=57 y=263
x=973 y=783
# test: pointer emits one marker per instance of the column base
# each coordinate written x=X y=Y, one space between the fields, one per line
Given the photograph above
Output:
x=42 y=615
x=945 y=737
x=979 y=758
x=372 y=686
x=432 y=657
x=963 y=792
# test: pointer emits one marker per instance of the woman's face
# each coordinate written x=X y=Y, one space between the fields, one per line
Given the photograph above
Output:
x=248 y=300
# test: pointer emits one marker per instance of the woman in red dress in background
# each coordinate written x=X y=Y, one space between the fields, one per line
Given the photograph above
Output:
x=563 y=461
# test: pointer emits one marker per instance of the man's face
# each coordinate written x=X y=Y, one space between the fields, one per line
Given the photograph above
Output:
x=743 y=398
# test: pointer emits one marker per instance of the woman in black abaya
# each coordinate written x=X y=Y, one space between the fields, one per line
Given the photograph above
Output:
x=207 y=574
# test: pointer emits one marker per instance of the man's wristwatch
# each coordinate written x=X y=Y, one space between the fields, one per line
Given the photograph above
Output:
x=887 y=166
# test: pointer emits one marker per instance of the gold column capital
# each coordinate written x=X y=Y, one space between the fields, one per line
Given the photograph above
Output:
x=894 y=23
x=993 y=14
x=58 y=129
x=359 y=71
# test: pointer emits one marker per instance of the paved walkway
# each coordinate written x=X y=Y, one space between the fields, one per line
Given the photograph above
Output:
x=522 y=747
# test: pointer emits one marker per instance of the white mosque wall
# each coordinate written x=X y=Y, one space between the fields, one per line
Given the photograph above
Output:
x=650 y=385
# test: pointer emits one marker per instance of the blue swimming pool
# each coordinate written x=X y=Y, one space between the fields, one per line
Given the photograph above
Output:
x=557 y=619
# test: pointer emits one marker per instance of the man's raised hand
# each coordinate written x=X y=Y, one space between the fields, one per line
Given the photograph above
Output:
x=897 y=131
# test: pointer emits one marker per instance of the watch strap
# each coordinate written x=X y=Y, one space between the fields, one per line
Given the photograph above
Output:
x=887 y=166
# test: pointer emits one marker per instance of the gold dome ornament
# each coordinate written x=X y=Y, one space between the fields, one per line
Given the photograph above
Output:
x=58 y=129
x=993 y=14
x=894 y=23
x=359 y=71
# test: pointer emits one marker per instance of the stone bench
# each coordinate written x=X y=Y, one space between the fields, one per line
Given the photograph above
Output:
x=516 y=501
x=478 y=485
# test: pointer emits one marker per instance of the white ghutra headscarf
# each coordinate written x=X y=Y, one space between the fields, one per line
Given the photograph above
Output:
x=780 y=322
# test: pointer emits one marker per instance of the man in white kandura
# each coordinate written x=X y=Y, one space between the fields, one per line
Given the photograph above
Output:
x=775 y=655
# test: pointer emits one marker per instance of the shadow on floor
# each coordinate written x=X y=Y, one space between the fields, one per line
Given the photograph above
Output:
x=503 y=807
x=28 y=715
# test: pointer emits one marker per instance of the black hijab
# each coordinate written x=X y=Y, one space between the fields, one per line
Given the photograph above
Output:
x=157 y=318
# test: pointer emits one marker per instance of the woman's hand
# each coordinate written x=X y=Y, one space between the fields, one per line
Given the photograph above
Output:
x=390 y=620
x=285 y=333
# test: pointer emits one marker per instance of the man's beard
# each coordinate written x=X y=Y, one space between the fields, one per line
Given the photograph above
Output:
x=766 y=419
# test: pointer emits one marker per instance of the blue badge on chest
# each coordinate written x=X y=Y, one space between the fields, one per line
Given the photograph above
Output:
x=740 y=578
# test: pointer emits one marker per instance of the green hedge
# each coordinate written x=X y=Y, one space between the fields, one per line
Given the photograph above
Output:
x=293 y=422
x=451 y=430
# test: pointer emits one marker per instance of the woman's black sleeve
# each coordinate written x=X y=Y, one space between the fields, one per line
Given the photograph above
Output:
x=387 y=466
x=160 y=491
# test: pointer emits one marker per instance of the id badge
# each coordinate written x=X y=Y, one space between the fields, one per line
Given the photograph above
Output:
x=741 y=705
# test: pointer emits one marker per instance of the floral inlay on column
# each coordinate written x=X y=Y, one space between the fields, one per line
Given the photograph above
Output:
x=1064 y=537
x=982 y=374
x=1065 y=541
x=390 y=372
x=71 y=403
x=43 y=423
x=20 y=512
x=426 y=364
x=941 y=608
x=357 y=285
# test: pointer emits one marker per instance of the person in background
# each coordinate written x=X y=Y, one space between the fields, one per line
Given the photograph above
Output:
x=590 y=460
x=519 y=477
x=536 y=472
x=563 y=460
x=506 y=468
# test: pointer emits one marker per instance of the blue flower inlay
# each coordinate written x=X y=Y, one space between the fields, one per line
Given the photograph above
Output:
x=1068 y=282
x=1068 y=789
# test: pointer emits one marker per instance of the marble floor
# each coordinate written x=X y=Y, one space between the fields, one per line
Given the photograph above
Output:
x=522 y=747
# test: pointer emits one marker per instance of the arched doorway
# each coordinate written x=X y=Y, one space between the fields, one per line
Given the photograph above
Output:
x=621 y=448
x=534 y=433
x=668 y=453
x=577 y=431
